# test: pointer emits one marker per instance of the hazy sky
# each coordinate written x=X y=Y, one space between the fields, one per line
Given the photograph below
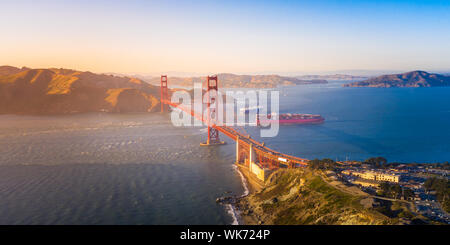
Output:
x=226 y=36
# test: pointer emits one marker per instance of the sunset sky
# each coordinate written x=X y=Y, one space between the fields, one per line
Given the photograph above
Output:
x=226 y=36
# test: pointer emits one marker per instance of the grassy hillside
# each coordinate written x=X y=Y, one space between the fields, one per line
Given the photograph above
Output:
x=302 y=196
x=409 y=79
x=59 y=91
x=9 y=70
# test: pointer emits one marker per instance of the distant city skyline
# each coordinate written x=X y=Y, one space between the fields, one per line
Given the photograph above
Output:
x=242 y=37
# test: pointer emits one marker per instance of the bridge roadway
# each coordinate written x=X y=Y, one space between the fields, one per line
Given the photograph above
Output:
x=246 y=141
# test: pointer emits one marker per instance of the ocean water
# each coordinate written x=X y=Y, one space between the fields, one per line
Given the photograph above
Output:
x=401 y=124
x=111 y=169
x=139 y=169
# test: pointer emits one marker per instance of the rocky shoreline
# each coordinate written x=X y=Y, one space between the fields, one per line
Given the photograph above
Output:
x=239 y=211
x=304 y=197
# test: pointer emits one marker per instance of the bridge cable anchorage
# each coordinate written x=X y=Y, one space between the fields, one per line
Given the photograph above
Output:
x=164 y=93
x=211 y=117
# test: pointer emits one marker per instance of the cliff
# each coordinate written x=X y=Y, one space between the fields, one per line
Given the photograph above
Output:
x=60 y=91
x=409 y=79
x=302 y=196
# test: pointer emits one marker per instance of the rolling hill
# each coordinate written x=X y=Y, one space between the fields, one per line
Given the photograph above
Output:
x=228 y=80
x=409 y=79
x=61 y=91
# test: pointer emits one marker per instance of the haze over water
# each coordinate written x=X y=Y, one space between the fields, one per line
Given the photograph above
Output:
x=110 y=169
x=401 y=124
x=139 y=169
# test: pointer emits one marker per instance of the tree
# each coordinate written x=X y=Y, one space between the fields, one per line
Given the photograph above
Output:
x=408 y=194
x=324 y=164
x=429 y=183
x=376 y=161
x=390 y=190
x=385 y=189
x=396 y=190
x=442 y=188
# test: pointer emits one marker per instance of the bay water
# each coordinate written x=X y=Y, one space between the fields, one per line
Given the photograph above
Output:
x=139 y=169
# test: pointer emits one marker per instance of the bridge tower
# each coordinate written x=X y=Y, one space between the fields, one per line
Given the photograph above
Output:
x=213 y=133
x=164 y=92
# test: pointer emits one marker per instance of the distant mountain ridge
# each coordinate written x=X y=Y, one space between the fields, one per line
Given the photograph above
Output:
x=59 y=91
x=229 y=80
x=10 y=70
x=332 y=77
x=409 y=79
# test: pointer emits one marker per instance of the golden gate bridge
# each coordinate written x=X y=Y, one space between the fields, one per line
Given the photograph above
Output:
x=248 y=151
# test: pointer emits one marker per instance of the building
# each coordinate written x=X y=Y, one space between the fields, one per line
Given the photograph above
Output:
x=377 y=176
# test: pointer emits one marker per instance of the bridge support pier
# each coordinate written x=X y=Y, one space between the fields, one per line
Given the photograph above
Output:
x=251 y=155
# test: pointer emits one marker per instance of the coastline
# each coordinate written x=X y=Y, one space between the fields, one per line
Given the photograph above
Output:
x=249 y=188
x=252 y=209
x=231 y=207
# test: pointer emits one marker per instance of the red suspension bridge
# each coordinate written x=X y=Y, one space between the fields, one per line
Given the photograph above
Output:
x=248 y=150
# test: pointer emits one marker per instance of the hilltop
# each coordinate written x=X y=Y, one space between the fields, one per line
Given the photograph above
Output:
x=60 y=91
x=10 y=70
x=409 y=79
x=228 y=80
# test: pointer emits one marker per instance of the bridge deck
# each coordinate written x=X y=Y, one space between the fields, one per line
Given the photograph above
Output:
x=258 y=147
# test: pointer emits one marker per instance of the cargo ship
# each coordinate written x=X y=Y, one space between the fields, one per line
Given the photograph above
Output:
x=290 y=119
